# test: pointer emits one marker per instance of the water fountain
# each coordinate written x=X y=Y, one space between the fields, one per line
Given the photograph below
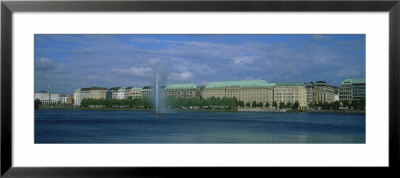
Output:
x=160 y=79
x=157 y=93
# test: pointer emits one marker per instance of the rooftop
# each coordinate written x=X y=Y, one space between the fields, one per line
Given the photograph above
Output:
x=290 y=84
x=98 y=88
x=136 y=89
x=353 y=80
x=317 y=83
x=122 y=88
x=88 y=89
x=181 y=86
x=242 y=83
x=114 y=88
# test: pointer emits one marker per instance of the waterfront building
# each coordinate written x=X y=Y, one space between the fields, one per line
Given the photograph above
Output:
x=47 y=97
x=62 y=98
x=112 y=93
x=309 y=94
x=182 y=91
x=245 y=90
x=290 y=92
x=147 y=91
x=98 y=93
x=121 y=93
x=80 y=94
x=127 y=92
x=70 y=100
x=352 y=89
x=336 y=98
x=322 y=92
x=336 y=93
x=136 y=92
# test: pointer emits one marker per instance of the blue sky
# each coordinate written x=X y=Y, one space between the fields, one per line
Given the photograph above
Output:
x=68 y=62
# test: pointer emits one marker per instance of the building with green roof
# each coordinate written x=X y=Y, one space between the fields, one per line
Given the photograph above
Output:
x=189 y=90
x=354 y=81
x=352 y=89
x=136 y=92
x=241 y=83
x=290 y=84
x=290 y=92
x=321 y=92
x=136 y=89
x=247 y=91
x=123 y=92
x=80 y=94
x=181 y=86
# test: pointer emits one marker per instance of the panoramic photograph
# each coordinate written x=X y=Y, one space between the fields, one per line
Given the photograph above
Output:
x=200 y=88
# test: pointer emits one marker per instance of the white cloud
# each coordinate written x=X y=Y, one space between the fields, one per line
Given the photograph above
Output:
x=136 y=71
x=186 y=75
x=45 y=60
x=154 y=61
x=181 y=77
x=181 y=67
x=244 y=60
x=203 y=69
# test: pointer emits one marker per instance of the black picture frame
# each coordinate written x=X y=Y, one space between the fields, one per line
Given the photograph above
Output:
x=8 y=7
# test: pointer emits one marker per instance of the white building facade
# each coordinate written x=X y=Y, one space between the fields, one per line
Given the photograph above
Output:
x=121 y=93
x=80 y=94
x=47 y=97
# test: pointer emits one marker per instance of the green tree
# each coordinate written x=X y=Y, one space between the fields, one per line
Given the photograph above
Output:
x=260 y=104
x=274 y=104
x=336 y=105
x=241 y=103
x=281 y=105
x=37 y=103
x=248 y=104
x=346 y=103
x=289 y=105
x=266 y=104
x=362 y=103
x=311 y=105
x=355 y=104
x=254 y=104
x=212 y=102
x=296 y=105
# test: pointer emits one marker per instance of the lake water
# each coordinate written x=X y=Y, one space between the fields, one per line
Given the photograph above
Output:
x=82 y=126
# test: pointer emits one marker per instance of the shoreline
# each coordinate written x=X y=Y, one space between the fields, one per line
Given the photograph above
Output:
x=204 y=110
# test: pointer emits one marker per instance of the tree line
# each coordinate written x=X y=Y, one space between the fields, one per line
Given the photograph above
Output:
x=184 y=103
x=209 y=103
x=117 y=103
x=355 y=104
x=225 y=103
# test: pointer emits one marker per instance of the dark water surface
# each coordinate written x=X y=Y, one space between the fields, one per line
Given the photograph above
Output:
x=82 y=126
